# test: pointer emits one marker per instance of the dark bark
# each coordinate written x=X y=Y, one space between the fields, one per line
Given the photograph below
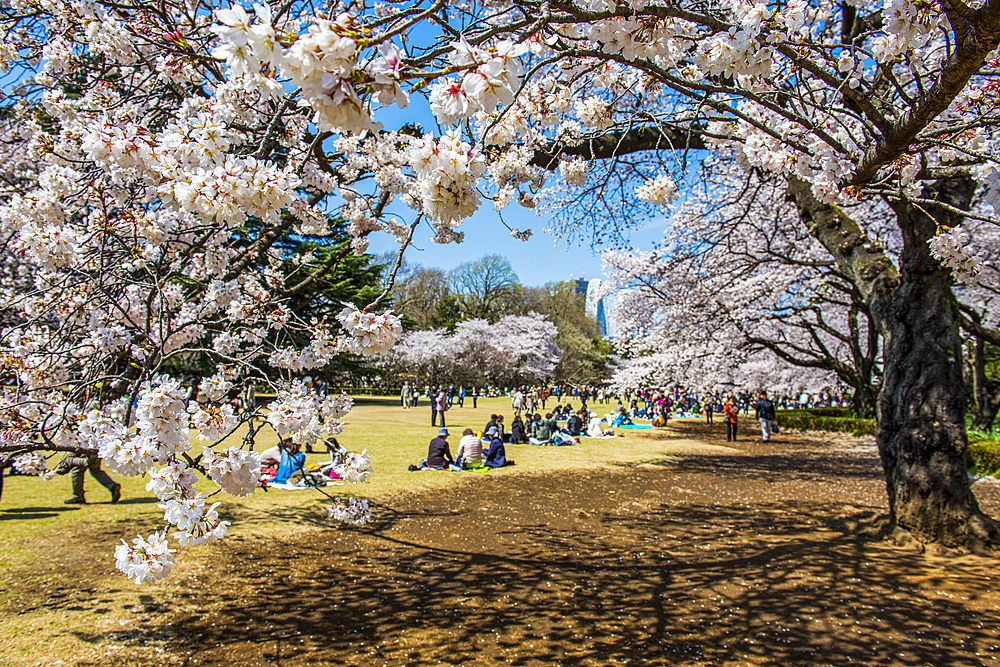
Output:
x=622 y=143
x=921 y=430
x=864 y=402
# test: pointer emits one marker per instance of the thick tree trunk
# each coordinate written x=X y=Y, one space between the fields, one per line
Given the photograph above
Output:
x=921 y=430
x=864 y=403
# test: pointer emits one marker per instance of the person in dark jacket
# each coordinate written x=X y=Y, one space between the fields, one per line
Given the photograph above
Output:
x=764 y=410
x=492 y=429
x=574 y=424
x=438 y=453
x=496 y=457
x=432 y=397
x=517 y=434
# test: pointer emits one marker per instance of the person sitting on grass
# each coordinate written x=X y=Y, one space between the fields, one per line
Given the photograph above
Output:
x=289 y=459
x=595 y=429
x=337 y=453
x=438 y=453
x=533 y=425
x=546 y=428
x=496 y=455
x=517 y=434
x=574 y=425
x=622 y=418
x=491 y=429
x=470 y=449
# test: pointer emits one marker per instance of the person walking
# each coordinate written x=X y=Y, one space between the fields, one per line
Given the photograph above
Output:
x=475 y=396
x=731 y=410
x=764 y=410
x=77 y=467
x=404 y=395
x=442 y=405
x=461 y=395
x=517 y=402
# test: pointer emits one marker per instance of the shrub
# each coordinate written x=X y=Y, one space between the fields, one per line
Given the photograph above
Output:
x=836 y=420
x=983 y=456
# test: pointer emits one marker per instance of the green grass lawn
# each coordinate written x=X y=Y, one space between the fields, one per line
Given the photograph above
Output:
x=32 y=512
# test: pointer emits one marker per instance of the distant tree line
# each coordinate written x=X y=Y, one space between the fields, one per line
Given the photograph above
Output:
x=488 y=289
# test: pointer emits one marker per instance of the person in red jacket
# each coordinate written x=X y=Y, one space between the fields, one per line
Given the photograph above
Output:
x=731 y=411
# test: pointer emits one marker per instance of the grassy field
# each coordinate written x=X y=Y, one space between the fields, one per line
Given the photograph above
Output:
x=663 y=546
x=57 y=575
x=32 y=509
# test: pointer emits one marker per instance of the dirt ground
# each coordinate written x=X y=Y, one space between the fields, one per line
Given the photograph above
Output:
x=771 y=554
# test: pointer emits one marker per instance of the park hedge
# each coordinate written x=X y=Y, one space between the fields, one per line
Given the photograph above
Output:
x=982 y=455
x=836 y=420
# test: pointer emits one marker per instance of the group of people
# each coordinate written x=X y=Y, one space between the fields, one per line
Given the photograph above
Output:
x=764 y=413
x=657 y=406
x=439 y=396
x=475 y=451
x=532 y=398
x=485 y=448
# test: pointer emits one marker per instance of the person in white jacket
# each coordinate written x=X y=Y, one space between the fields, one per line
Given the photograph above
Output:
x=517 y=402
x=470 y=449
x=594 y=429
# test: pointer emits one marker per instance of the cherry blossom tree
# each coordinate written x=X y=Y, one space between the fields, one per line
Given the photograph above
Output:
x=513 y=350
x=735 y=272
x=167 y=147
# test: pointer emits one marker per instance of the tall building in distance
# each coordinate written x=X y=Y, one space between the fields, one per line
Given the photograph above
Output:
x=596 y=307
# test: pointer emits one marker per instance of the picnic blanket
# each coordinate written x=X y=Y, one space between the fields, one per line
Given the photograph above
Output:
x=298 y=487
x=635 y=426
x=550 y=443
x=455 y=469
x=599 y=437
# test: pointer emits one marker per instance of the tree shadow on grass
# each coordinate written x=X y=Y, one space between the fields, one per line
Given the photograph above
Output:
x=764 y=559
x=678 y=583
x=22 y=513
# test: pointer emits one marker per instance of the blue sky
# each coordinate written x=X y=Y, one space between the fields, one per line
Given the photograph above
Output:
x=539 y=260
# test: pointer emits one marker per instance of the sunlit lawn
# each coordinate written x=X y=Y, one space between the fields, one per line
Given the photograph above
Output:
x=56 y=560
x=32 y=508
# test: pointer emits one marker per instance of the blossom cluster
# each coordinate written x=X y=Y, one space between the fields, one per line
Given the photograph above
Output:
x=354 y=467
x=307 y=417
x=370 y=333
x=948 y=247
x=236 y=472
x=31 y=463
x=354 y=512
x=661 y=190
x=491 y=77
x=146 y=559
